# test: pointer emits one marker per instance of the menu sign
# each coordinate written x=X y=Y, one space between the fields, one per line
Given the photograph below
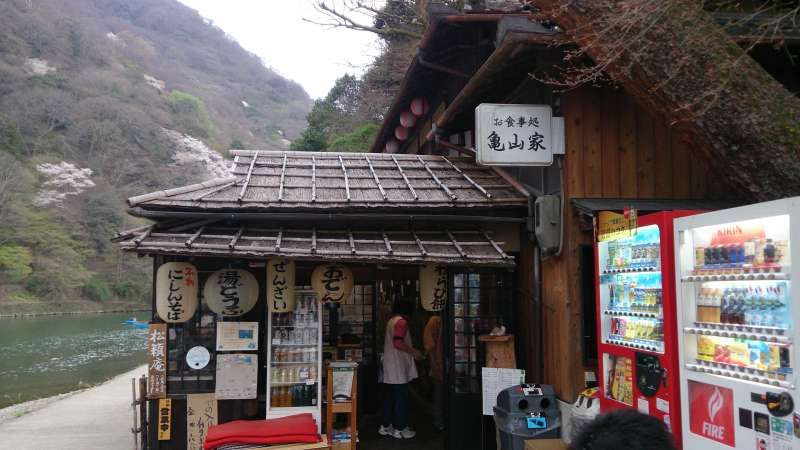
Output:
x=201 y=413
x=157 y=360
x=176 y=291
x=711 y=412
x=332 y=282
x=280 y=285
x=231 y=292
x=433 y=287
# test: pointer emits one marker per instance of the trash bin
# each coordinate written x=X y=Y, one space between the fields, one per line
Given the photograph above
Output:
x=524 y=412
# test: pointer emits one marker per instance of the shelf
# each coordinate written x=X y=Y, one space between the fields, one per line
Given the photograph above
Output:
x=639 y=346
x=274 y=344
x=646 y=315
x=632 y=270
x=740 y=334
x=714 y=326
x=281 y=363
x=749 y=274
x=292 y=383
x=295 y=327
x=740 y=373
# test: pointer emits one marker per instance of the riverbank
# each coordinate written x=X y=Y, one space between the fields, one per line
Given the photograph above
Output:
x=96 y=418
x=35 y=308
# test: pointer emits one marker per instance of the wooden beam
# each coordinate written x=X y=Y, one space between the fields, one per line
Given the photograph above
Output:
x=436 y=179
x=313 y=179
x=352 y=243
x=405 y=178
x=194 y=237
x=235 y=238
x=346 y=182
x=214 y=191
x=377 y=181
x=314 y=240
x=387 y=243
x=456 y=244
x=419 y=243
x=144 y=236
x=283 y=176
x=278 y=240
x=470 y=180
x=495 y=246
x=247 y=179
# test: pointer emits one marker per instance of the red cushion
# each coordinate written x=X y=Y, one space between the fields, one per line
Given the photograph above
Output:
x=300 y=428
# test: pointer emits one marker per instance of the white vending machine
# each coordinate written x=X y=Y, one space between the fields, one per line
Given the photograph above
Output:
x=738 y=317
x=294 y=367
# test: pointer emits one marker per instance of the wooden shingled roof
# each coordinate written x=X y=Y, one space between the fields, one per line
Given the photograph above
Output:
x=269 y=180
x=457 y=245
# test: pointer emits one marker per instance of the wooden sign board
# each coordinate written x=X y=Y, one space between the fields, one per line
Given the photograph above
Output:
x=164 y=419
x=157 y=360
x=201 y=413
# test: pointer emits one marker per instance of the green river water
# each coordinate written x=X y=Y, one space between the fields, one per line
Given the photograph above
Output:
x=49 y=355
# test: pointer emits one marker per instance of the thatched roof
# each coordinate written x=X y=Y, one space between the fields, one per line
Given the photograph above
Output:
x=270 y=180
x=457 y=245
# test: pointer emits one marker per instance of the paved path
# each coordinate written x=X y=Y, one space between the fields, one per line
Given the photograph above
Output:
x=96 y=418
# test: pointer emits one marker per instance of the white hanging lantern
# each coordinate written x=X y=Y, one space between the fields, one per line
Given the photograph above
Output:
x=280 y=285
x=332 y=282
x=433 y=287
x=176 y=292
x=231 y=292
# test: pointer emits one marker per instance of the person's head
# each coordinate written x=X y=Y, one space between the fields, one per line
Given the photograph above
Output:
x=625 y=429
x=403 y=307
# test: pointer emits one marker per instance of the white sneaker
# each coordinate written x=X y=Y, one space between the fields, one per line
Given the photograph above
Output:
x=405 y=433
x=387 y=431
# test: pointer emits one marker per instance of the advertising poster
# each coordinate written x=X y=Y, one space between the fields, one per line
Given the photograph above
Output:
x=711 y=412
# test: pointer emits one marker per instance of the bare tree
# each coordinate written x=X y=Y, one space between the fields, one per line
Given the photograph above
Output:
x=672 y=56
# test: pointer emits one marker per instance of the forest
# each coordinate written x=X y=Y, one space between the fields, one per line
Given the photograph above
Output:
x=101 y=100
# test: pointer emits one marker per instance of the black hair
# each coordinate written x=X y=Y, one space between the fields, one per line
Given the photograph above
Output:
x=403 y=307
x=625 y=429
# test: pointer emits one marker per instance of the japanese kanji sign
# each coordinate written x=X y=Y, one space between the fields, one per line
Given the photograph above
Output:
x=164 y=419
x=176 y=291
x=280 y=285
x=157 y=360
x=433 y=287
x=513 y=135
x=201 y=413
x=332 y=282
x=612 y=226
x=231 y=292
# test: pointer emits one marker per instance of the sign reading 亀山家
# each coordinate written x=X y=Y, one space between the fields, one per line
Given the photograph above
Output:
x=612 y=226
x=711 y=412
x=513 y=135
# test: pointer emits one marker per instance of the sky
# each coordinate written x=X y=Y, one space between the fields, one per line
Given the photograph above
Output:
x=312 y=55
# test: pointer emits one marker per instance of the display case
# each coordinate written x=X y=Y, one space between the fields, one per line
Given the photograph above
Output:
x=737 y=314
x=637 y=346
x=294 y=364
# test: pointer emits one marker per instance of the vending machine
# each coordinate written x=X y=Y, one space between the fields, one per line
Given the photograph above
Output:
x=294 y=367
x=737 y=310
x=637 y=344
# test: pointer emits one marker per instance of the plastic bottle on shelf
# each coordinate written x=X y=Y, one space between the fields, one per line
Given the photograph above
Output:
x=701 y=305
x=769 y=252
x=749 y=252
x=749 y=306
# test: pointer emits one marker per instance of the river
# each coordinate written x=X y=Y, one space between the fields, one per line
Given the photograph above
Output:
x=49 y=355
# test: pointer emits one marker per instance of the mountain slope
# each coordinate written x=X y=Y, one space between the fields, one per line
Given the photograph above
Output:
x=102 y=99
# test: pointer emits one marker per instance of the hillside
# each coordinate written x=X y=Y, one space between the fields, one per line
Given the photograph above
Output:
x=103 y=99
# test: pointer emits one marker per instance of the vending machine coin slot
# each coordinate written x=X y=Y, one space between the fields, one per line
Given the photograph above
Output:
x=648 y=374
x=779 y=405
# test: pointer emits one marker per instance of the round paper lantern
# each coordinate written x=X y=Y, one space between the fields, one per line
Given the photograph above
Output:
x=231 y=292
x=280 y=285
x=407 y=119
x=420 y=106
x=176 y=292
x=332 y=282
x=401 y=133
x=392 y=146
x=433 y=287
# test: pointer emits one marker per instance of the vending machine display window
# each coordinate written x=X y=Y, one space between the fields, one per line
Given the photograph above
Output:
x=619 y=378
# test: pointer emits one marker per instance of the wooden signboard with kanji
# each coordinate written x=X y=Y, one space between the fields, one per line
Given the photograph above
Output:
x=164 y=419
x=157 y=360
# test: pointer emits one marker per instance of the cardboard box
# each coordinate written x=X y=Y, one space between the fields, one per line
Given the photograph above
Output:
x=545 y=444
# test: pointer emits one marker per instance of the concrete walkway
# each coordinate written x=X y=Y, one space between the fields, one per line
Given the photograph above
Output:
x=95 y=418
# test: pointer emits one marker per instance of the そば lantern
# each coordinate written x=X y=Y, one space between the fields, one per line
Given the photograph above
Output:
x=176 y=292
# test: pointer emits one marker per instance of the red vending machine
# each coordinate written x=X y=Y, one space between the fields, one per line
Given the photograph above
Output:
x=636 y=313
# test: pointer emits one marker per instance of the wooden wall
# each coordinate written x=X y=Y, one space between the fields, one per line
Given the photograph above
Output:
x=614 y=149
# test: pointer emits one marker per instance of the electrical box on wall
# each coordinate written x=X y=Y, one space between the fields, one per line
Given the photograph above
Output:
x=547 y=222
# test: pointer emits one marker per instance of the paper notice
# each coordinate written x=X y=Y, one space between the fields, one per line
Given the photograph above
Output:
x=495 y=380
x=237 y=336
x=643 y=405
x=662 y=405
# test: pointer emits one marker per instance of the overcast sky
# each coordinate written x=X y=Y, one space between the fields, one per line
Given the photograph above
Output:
x=309 y=54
